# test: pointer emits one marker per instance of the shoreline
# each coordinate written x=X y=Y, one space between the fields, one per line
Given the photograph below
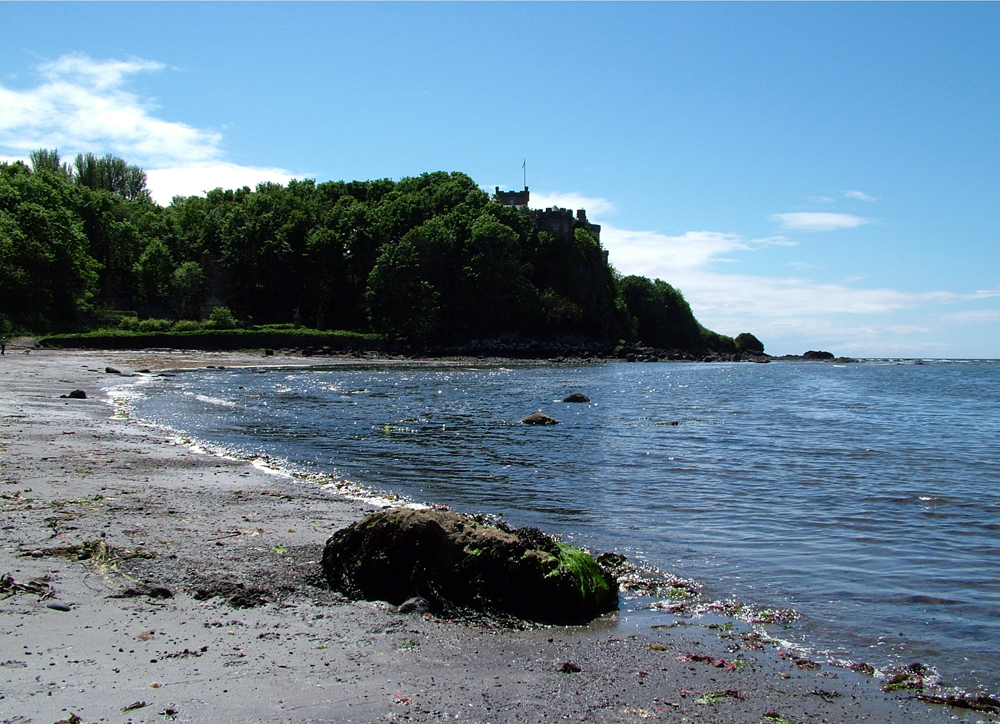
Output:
x=226 y=534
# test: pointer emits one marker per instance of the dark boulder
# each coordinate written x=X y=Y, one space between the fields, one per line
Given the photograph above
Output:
x=813 y=354
x=576 y=397
x=76 y=395
x=539 y=418
x=453 y=560
x=112 y=371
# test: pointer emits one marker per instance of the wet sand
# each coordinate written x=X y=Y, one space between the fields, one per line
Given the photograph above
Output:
x=99 y=514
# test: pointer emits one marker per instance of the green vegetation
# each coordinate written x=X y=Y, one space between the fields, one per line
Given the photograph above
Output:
x=594 y=588
x=430 y=260
x=746 y=342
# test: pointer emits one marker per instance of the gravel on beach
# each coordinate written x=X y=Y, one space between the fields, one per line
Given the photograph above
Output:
x=146 y=582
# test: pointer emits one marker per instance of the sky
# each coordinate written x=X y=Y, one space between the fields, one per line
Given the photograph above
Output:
x=823 y=175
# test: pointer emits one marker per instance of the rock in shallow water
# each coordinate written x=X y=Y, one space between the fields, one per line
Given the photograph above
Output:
x=451 y=559
x=539 y=418
x=576 y=397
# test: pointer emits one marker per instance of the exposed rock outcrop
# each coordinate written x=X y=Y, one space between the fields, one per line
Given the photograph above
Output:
x=813 y=354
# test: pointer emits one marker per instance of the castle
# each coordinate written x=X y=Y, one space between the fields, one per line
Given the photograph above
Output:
x=558 y=222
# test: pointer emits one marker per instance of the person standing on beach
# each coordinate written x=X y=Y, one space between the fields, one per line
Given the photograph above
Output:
x=3 y=345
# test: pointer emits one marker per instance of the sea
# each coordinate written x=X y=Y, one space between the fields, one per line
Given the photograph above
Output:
x=863 y=496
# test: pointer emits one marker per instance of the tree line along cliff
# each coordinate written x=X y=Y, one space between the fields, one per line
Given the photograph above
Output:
x=430 y=259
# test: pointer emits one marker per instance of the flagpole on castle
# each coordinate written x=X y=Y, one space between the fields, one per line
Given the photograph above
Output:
x=524 y=167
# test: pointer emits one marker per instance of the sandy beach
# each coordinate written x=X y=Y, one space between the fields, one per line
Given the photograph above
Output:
x=149 y=582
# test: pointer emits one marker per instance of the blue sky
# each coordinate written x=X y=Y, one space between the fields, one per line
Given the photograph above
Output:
x=824 y=175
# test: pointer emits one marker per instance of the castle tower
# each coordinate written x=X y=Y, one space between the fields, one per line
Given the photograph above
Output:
x=513 y=198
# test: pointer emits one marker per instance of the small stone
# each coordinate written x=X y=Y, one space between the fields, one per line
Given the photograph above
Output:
x=58 y=606
x=576 y=397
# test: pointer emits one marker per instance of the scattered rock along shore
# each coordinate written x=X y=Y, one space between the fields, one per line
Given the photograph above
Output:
x=144 y=582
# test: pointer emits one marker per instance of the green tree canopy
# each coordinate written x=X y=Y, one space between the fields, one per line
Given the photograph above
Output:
x=430 y=258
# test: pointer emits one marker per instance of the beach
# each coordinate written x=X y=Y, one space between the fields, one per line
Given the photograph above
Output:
x=148 y=580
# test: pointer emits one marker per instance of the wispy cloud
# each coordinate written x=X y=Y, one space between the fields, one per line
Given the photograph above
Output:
x=83 y=104
x=860 y=196
x=818 y=221
x=974 y=316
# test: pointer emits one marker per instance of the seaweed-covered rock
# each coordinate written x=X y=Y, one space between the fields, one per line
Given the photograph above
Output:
x=455 y=560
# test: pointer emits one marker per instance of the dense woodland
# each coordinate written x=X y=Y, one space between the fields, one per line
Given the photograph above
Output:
x=432 y=259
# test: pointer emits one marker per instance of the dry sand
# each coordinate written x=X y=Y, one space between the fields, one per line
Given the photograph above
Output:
x=226 y=535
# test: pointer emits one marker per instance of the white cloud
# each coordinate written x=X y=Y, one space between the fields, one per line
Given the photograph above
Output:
x=165 y=183
x=594 y=206
x=692 y=250
x=790 y=314
x=860 y=196
x=83 y=105
x=818 y=221
x=647 y=250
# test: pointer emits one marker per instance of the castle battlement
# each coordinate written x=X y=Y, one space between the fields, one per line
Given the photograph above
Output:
x=561 y=222
x=513 y=198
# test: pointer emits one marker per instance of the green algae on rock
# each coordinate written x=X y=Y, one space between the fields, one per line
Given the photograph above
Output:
x=456 y=560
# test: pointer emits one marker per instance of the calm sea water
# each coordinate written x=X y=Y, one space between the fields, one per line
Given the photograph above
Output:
x=865 y=496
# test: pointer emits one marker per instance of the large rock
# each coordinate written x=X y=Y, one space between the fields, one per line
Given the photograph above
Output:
x=539 y=418
x=454 y=560
x=576 y=397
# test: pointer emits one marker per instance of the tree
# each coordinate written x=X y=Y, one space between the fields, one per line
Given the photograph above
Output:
x=663 y=317
x=187 y=284
x=111 y=173
x=746 y=342
x=154 y=271
x=402 y=304
x=48 y=160
x=46 y=274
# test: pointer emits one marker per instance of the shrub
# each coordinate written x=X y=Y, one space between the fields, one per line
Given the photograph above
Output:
x=187 y=325
x=221 y=318
x=155 y=325
x=129 y=324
